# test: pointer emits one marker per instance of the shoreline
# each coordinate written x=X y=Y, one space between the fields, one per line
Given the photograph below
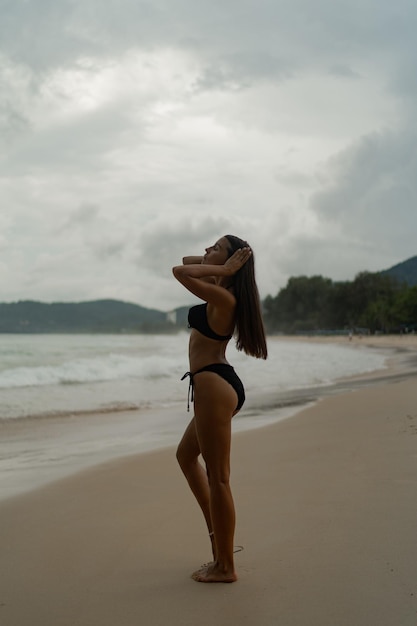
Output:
x=52 y=447
x=326 y=513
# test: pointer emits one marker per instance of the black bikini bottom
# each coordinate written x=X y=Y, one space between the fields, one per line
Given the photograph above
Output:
x=225 y=371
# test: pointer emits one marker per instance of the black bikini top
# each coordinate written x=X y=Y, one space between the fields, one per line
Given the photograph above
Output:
x=197 y=318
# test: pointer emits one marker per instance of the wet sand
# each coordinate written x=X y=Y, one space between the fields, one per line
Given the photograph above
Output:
x=326 y=511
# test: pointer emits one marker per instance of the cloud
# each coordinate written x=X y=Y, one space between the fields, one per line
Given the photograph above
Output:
x=83 y=215
x=133 y=133
x=366 y=203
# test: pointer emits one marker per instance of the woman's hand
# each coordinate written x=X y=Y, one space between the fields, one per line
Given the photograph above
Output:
x=237 y=260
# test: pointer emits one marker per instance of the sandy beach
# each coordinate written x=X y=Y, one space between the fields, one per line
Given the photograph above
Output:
x=326 y=512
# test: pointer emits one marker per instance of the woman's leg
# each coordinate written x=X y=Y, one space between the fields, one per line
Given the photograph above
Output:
x=215 y=403
x=187 y=455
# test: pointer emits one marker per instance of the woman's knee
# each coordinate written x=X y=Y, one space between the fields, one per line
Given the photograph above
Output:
x=188 y=449
x=181 y=457
x=218 y=474
x=185 y=457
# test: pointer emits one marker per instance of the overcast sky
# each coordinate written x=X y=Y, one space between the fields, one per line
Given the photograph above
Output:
x=133 y=133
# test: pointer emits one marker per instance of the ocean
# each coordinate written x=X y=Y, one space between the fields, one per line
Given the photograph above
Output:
x=50 y=375
x=70 y=401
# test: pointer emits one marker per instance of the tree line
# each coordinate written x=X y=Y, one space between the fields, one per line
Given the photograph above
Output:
x=372 y=301
x=377 y=302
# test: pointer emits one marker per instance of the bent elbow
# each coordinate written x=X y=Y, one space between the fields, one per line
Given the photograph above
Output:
x=177 y=270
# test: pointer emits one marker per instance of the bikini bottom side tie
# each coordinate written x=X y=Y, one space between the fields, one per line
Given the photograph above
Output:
x=190 y=389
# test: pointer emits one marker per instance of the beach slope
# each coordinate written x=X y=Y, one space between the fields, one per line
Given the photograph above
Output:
x=326 y=507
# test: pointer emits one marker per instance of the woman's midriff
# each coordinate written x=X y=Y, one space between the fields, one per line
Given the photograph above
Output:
x=204 y=351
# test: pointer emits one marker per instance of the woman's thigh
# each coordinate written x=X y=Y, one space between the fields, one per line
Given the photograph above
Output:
x=214 y=404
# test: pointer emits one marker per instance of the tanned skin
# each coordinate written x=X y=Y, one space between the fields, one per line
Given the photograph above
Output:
x=209 y=433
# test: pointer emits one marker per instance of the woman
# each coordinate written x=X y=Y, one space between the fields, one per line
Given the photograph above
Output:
x=225 y=279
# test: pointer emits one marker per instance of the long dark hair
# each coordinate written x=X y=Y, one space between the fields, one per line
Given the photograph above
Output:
x=250 y=331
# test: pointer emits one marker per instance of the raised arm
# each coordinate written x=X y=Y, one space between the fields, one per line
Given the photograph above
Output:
x=197 y=260
x=202 y=279
x=192 y=260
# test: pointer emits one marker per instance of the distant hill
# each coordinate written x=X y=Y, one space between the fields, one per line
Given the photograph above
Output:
x=99 y=316
x=114 y=316
x=405 y=272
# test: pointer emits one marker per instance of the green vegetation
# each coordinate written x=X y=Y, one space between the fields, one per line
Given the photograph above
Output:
x=378 y=302
x=101 y=316
x=405 y=272
x=373 y=301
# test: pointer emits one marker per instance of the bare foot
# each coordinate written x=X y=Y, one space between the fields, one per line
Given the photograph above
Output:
x=201 y=569
x=213 y=573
